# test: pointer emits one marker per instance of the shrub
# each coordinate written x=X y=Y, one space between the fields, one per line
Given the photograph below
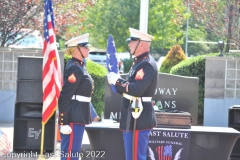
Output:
x=98 y=74
x=174 y=56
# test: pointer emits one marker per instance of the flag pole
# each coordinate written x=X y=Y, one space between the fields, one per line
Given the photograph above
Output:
x=51 y=68
x=41 y=156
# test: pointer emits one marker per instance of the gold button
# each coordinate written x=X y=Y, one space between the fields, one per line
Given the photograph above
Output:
x=61 y=114
x=62 y=119
x=61 y=123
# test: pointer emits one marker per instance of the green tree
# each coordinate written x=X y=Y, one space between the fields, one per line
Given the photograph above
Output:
x=111 y=17
x=115 y=17
x=220 y=17
x=197 y=34
x=18 y=15
x=200 y=40
x=165 y=22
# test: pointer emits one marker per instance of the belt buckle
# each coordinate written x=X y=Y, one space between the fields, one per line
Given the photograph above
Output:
x=74 y=97
x=137 y=107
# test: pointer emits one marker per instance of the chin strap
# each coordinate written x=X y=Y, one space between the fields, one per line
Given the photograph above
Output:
x=136 y=47
x=80 y=51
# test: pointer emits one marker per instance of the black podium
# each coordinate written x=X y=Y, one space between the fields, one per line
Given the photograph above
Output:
x=28 y=109
x=206 y=143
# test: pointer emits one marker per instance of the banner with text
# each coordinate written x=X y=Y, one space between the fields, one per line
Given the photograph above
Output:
x=168 y=145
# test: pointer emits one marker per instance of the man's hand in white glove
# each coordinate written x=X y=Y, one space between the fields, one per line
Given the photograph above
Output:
x=65 y=129
x=112 y=77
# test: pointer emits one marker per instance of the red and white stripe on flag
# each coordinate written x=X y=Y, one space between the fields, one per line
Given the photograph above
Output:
x=51 y=73
x=5 y=144
x=164 y=152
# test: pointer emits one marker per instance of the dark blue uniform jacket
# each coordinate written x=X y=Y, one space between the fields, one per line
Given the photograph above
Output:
x=142 y=79
x=77 y=81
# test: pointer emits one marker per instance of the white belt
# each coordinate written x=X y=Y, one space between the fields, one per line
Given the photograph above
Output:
x=144 y=99
x=81 y=98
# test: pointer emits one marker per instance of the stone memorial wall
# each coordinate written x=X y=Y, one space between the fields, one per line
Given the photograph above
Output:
x=173 y=92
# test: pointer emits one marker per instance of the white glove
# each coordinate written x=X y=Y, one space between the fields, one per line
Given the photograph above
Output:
x=112 y=77
x=65 y=129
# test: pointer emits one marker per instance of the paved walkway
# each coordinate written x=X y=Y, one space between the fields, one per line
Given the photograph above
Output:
x=8 y=129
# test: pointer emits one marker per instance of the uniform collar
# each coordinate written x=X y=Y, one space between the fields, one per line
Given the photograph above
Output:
x=141 y=56
x=79 y=61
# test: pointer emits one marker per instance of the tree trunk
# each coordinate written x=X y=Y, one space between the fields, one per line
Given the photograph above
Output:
x=230 y=23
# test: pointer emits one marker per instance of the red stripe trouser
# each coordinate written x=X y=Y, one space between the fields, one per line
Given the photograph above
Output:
x=140 y=145
x=71 y=143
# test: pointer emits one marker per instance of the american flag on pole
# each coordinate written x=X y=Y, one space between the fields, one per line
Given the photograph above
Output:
x=112 y=62
x=164 y=152
x=51 y=73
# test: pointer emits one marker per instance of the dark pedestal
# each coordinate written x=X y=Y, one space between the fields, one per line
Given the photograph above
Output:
x=110 y=141
x=206 y=143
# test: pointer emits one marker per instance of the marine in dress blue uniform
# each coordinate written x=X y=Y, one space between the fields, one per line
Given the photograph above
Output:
x=74 y=100
x=141 y=83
